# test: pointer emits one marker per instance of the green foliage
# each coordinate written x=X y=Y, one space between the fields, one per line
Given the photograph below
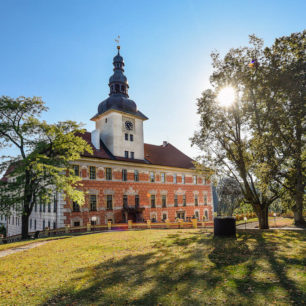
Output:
x=229 y=196
x=259 y=139
x=45 y=153
x=244 y=208
x=2 y=230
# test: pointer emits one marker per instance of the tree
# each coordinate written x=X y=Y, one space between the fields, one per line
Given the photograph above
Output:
x=285 y=66
x=261 y=138
x=42 y=165
x=229 y=196
x=227 y=134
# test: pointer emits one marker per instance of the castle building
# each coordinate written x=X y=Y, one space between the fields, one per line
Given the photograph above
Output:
x=125 y=178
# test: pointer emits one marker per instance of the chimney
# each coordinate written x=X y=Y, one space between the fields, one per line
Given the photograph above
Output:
x=165 y=143
x=95 y=139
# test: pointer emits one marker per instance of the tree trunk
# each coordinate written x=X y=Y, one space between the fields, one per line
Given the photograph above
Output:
x=298 y=212
x=299 y=187
x=299 y=199
x=263 y=217
x=25 y=226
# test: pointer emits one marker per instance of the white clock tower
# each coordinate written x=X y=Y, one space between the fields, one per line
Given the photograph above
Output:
x=118 y=122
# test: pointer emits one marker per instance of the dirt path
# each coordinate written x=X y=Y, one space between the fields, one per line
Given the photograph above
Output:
x=21 y=248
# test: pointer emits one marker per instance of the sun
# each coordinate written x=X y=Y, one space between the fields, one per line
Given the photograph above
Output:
x=226 y=96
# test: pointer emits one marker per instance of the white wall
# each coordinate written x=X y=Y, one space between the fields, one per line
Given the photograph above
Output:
x=113 y=131
x=14 y=228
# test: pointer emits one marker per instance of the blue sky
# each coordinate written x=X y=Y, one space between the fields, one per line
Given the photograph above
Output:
x=62 y=51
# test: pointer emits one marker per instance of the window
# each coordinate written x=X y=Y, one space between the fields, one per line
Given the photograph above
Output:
x=184 y=200
x=49 y=224
x=136 y=175
x=137 y=200
x=35 y=207
x=92 y=173
x=164 y=216
x=44 y=207
x=35 y=224
x=196 y=214
x=131 y=137
x=163 y=177
x=206 y=214
x=174 y=178
x=109 y=202
x=75 y=206
x=93 y=202
x=55 y=204
x=108 y=174
x=132 y=155
x=126 y=154
x=76 y=170
x=76 y=223
x=205 y=199
x=30 y=223
x=153 y=200
x=49 y=207
x=54 y=225
x=183 y=178
x=106 y=118
x=196 y=200
x=44 y=224
x=126 y=136
x=124 y=174
x=204 y=180
x=125 y=201
x=152 y=177
x=175 y=200
x=164 y=201
x=195 y=179
x=117 y=88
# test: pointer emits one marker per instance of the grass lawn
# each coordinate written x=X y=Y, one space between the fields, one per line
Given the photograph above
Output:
x=159 y=267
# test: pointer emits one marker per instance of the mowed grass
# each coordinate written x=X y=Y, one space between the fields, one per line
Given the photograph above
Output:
x=159 y=267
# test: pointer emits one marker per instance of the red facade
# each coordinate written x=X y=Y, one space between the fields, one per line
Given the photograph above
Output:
x=195 y=196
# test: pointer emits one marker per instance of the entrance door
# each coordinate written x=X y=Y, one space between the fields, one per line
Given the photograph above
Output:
x=180 y=215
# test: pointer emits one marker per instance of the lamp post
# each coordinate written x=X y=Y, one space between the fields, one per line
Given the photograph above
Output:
x=245 y=220
x=94 y=220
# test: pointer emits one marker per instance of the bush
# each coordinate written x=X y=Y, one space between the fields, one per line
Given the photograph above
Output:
x=3 y=230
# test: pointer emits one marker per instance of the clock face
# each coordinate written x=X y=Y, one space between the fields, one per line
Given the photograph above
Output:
x=128 y=125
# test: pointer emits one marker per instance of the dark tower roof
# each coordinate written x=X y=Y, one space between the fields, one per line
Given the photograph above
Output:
x=118 y=97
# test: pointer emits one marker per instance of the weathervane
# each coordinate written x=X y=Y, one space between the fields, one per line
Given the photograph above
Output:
x=117 y=40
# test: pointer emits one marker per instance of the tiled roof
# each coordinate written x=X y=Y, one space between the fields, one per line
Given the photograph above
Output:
x=167 y=155
x=163 y=155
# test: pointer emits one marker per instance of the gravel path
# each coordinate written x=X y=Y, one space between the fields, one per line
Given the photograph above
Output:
x=21 y=248
x=254 y=225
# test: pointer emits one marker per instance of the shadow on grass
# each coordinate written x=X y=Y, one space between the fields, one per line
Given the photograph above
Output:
x=193 y=270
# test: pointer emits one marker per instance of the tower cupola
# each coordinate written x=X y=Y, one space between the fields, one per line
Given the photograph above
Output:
x=118 y=83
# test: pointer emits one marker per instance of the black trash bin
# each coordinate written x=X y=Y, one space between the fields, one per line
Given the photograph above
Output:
x=225 y=226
